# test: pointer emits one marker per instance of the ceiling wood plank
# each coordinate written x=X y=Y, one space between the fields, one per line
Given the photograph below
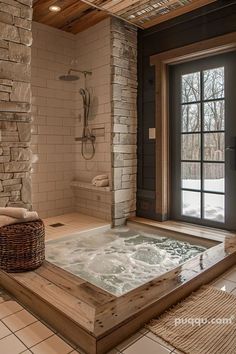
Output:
x=77 y=15
x=68 y=15
x=85 y=22
x=178 y=12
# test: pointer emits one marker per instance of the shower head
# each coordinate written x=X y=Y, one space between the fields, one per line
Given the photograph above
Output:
x=69 y=77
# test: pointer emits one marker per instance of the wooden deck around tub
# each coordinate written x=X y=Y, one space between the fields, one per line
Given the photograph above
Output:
x=96 y=320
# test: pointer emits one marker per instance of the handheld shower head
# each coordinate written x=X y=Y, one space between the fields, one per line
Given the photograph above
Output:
x=82 y=92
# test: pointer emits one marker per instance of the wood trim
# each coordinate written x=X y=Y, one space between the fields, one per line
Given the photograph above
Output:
x=161 y=62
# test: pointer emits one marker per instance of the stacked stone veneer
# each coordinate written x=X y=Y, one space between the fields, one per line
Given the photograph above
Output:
x=15 y=102
x=124 y=119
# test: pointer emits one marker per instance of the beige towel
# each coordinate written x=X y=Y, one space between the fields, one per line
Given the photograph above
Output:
x=102 y=183
x=8 y=220
x=99 y=178
x=17 y=213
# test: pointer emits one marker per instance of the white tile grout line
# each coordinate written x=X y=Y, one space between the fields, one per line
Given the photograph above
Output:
x=161 y=344
x=129 y=345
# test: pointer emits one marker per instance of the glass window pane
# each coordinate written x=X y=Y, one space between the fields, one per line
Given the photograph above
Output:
x=191 y=175
x=214 y=177
x=191 y=204
x=214 y=115
x=214 y=207
x=213 y=83
x=190 y=147
x=214 y=146
x=191 y=121
x=191 y=87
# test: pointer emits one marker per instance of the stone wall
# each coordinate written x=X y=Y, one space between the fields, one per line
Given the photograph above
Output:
x=15 y=102
x=124 y=119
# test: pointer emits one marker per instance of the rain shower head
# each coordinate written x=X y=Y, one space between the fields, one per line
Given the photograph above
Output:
x=69 y=77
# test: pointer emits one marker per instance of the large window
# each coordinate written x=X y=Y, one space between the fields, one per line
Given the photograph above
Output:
x=203 y=145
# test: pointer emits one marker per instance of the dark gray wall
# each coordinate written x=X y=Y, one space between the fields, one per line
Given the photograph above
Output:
x=207 y=22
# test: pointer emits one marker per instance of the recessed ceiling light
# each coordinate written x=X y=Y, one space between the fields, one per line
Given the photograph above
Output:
x=55 y=8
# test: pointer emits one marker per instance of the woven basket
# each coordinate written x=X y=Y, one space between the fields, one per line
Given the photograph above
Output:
x=22 y=246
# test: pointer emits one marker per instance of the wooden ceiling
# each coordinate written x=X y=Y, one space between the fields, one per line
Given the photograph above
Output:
x=75 y=16
x=78 y=15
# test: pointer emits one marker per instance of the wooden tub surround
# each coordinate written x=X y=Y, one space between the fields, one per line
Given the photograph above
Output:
x=96 y=320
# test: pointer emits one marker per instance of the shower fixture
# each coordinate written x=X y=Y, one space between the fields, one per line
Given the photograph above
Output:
x=87 y=136
x=71 y=77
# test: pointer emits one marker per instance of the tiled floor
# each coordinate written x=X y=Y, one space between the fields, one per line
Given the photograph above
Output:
x=72 y=223
x=21 y=332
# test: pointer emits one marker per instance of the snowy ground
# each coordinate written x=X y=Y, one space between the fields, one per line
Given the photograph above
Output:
x=213 y=203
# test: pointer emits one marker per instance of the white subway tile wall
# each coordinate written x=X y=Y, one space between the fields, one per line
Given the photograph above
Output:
x=54 y=114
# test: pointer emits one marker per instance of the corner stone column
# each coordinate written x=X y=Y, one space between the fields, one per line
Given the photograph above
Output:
x=15 y=103
x=124 y=119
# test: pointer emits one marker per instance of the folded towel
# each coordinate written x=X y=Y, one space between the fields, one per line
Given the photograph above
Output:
x=99 y=178
x=102 y=183
x=18 y=213
x=8 y=220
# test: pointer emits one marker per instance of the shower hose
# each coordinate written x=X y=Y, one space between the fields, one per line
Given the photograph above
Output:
x=87 y=136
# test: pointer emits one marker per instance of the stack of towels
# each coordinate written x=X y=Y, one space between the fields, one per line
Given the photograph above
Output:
x=10 y=216
x=101 y=181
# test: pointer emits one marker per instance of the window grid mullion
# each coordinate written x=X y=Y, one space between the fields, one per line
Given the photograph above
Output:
x=202 y=138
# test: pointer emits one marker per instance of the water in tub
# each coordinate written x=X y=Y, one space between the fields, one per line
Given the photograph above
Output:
x=119 y=260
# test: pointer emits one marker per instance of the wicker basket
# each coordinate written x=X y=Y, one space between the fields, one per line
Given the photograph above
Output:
x=22 y=246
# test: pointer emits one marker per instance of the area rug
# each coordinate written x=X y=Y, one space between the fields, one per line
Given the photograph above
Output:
x=203 y=323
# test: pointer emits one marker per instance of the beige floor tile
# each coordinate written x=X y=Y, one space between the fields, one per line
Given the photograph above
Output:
x=230 y=275
x=19 y=320
x=74 y=222
x=129 y=341
x=27 y=352
x=159 y=340
x=4 y=331
x=11 y=345
x=33 y=334
x=146 y=345
x=8 y=308
x=52 y=345
x=225 y=285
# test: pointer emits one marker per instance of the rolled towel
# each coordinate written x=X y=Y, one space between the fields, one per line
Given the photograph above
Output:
x=102 y=183
x=8 y=220
x=30 y=216
x=17 y=213
x=99 y=178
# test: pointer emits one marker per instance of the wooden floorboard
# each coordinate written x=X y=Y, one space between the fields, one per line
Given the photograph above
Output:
x=186 y=228
x=73 y=285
